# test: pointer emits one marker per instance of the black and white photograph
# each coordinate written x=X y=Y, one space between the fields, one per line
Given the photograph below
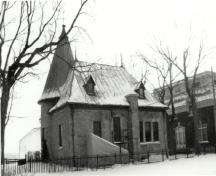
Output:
x=108 y=87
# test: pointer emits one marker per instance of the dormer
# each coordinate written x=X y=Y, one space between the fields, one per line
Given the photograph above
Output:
x=140 y=89
x=89 y=86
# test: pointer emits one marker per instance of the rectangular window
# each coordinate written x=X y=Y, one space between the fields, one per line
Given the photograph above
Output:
x=151 y=132
x=90 y=88
x=60 y=135
x=203 y=135
x=141 y=131
x=141 y=93
x=180 y=137
x=43 y=134
x=116 y=129
x=155 y=131
x=97 y=128
x=148 y=131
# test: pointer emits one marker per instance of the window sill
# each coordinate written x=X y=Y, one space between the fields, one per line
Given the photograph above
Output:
x=149 y=143
x=60 y=148
x=203 y=142
x=117 y=142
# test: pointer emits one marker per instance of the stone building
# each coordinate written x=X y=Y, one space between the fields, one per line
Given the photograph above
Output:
x=80 y=99
x=183 y=123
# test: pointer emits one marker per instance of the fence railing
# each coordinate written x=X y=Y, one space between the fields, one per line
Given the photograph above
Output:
x=21 y=166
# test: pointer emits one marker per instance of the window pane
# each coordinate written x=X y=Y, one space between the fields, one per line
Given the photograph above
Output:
x=97 y=128
x=90 y=88
x=43 y=134
x=200 y=134
x=148 y=131
x=141 y=131
x=205 y=135
x=141 y=93
x=155 y=131
x=180 y=137
x=116 y=129
x=60 y=135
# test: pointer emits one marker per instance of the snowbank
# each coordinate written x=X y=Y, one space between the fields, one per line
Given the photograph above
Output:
x=204 y=165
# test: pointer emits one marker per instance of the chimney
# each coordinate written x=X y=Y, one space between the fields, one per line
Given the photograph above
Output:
x=133 y=126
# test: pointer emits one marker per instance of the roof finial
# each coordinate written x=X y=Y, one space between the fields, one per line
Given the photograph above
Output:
x=142 y=76
x=75 y=55
x=63 y=33
x=122 y=63
x=63 y=18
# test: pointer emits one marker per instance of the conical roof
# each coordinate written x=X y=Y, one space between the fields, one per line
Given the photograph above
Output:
x=60 y=66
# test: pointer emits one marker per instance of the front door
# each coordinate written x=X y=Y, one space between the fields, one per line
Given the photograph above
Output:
x=180 y=137
x=116 y=129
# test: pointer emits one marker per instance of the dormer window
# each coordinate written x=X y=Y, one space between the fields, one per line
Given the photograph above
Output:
x=89 y=86
x=141 y=93
x=141 y=90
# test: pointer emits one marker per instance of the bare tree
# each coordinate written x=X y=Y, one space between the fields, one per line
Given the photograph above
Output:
x=165 y=81
x=26 y=48
x=190 y=84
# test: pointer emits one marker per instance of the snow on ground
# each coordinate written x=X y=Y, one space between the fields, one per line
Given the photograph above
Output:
x=204 y=165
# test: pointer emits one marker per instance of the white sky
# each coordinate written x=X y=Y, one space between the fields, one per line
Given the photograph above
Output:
x=120 y=27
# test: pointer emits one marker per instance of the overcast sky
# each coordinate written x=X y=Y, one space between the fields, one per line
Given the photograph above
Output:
x=120 y=27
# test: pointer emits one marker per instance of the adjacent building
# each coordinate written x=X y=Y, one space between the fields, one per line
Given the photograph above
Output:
x=183 y=123
x=84 y=104
x=30 y=144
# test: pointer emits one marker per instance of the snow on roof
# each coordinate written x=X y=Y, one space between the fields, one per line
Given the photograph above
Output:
x=112 y=85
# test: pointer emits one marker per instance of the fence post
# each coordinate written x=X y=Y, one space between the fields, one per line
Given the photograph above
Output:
x=148 y=157
x=77 y=163
x=3 y=168
x=204 y=149
x=162 y=152
x=30 y=165
x=97 y=162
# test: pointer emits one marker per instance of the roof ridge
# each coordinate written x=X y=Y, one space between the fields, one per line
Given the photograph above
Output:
x=100 y=64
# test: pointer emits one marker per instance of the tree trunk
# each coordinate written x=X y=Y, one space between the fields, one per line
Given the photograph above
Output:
x=196 y=126
x=4 y=105
x=173 y=137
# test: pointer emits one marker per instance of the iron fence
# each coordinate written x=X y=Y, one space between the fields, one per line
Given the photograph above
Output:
x=21 y=166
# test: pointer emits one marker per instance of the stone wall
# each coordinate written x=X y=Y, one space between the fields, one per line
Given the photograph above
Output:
x=51 y=122
x=62 y=117
x=46 y=123
x=82 y=119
